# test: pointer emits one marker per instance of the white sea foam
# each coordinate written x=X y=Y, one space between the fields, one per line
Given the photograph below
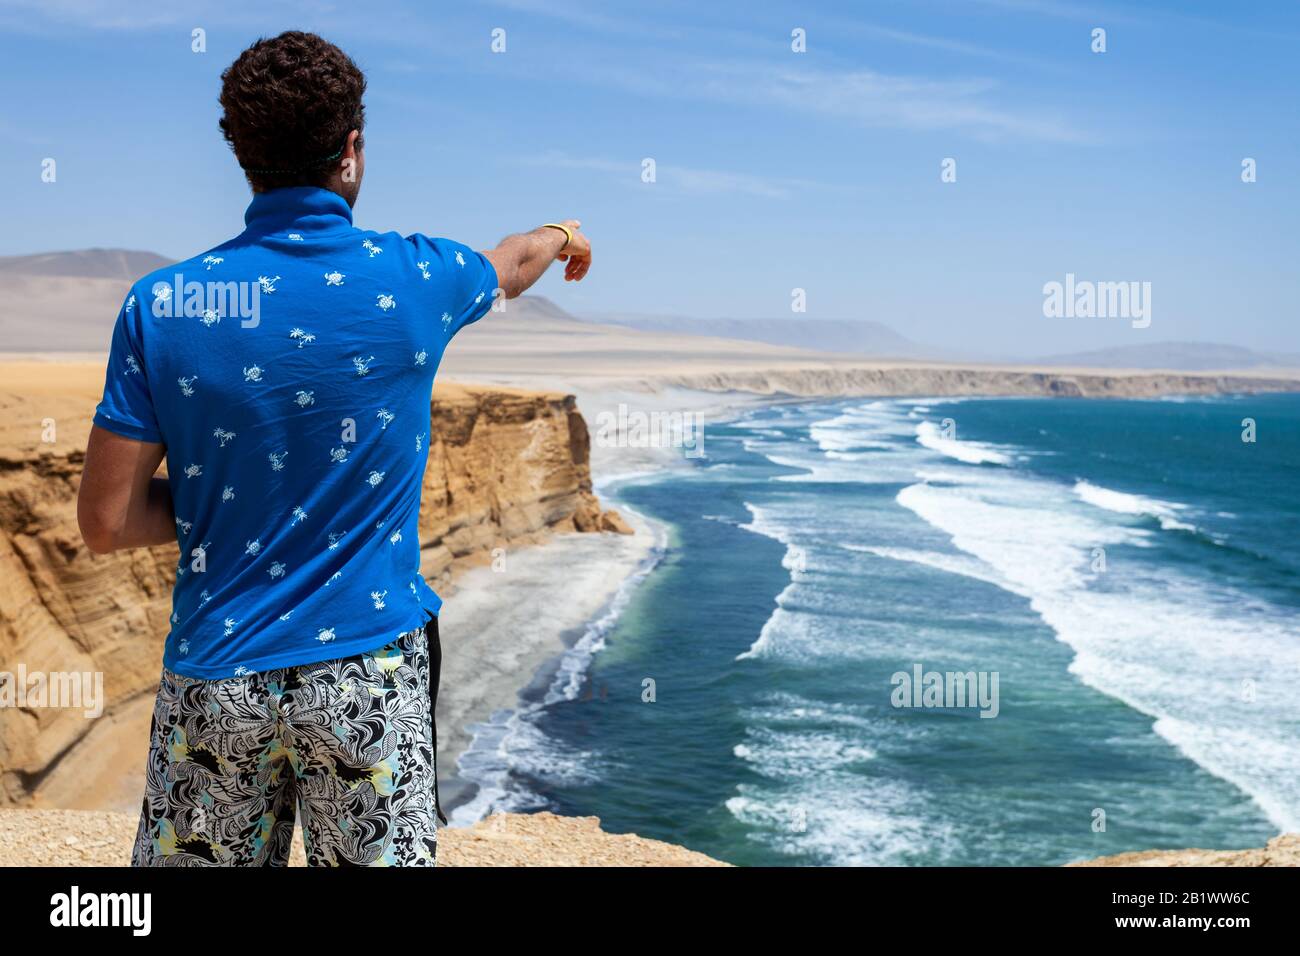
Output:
x=1177 y=650
x=813 y=797
x=960 y=564
x=858 y=446
x=1123 y=503
x=865 y=426
x=969 y=452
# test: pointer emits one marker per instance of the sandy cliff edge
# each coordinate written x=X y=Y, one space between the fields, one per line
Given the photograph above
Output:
x=1282 y=850
x=102 y=838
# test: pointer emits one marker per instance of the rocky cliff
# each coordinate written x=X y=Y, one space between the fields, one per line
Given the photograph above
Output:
x=902 y=379
x=506 y=467
x=1283 y=850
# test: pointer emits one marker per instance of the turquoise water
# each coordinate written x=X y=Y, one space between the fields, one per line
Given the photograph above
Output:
x=1128 y=569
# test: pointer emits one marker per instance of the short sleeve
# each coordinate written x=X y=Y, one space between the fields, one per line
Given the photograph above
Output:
x=462 y=280
x=127 y=407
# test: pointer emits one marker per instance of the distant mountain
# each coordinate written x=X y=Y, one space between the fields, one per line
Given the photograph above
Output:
x=840 y=336
x=126 y=265
x=537 y=307
x=67 y=301
x=1179 y=356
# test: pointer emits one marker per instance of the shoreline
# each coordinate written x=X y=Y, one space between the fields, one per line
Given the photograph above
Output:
x=484 y=714
x=649 y=462
x=505 y=648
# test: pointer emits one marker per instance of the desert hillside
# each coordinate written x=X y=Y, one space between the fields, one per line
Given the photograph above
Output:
x=507 y=467
x=534 y=343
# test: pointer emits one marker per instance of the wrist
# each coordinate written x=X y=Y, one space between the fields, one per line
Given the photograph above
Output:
x=563 y=230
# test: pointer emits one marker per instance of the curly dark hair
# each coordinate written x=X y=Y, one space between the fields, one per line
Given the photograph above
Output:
x=289 y=102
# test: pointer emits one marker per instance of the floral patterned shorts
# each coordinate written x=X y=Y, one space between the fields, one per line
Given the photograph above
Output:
x=346 y=745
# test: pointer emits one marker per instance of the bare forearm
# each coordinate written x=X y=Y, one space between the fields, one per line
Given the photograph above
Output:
x=121 y=503
x=521 y=259
x=153 y=520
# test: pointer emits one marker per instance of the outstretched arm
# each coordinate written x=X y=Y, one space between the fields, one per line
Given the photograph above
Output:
x=521 y=259
x=120 y=503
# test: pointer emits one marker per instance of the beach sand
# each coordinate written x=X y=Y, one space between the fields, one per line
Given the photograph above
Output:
x=503 y=624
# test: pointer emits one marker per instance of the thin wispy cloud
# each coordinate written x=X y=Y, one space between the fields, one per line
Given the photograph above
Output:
x=943 y=44
x=673 y=177
x=863 y=96
x=919 y=103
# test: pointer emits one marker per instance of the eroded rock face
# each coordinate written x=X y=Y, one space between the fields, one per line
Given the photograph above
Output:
x=505 y=467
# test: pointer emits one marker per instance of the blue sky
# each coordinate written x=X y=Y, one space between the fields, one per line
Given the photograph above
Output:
x=775 y=170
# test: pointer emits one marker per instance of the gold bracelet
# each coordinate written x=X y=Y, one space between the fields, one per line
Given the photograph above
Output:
x=564 y=229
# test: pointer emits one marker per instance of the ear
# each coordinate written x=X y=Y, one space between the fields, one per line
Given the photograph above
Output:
x=353 y=145
x=350 y=162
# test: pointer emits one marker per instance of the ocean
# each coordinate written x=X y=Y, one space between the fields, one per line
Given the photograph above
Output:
x=1127 y=571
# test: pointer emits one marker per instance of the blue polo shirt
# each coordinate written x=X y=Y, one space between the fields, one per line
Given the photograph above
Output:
x=288 y=373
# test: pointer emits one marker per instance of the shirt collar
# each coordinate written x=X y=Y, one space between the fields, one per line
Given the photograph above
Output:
x=306 y=208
